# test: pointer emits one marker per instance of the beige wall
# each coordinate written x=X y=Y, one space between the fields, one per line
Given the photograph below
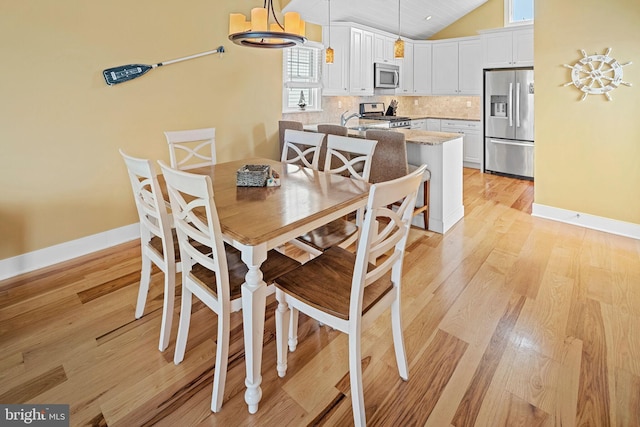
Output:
x=587 y=153
x=61 y=177
x=489 y=15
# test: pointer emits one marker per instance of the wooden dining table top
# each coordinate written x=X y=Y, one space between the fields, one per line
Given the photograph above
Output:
x=254 y=215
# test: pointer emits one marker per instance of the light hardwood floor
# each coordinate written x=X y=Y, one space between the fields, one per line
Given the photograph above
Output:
x=508 y=320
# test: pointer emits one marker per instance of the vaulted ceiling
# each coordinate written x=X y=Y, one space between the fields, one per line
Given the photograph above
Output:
x=383 y=14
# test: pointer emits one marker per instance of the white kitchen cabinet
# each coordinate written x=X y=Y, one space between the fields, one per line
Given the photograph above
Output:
x=444 y=161
x=507 y=47
x=406 y=70
x=422 y=68
x=383 y=49
x=445 y=68
x=335 y=77
x=469 y=67
x=418 y=124
x=457 y=67
x=361 y=63
x=433 y=125
x=472 y=135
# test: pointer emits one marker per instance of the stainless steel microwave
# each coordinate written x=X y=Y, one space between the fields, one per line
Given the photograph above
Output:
x=386 y=76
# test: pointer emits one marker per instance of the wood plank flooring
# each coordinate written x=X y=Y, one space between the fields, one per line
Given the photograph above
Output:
x=508 y=320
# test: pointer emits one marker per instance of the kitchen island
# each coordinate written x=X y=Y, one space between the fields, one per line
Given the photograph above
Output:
x=442 y=152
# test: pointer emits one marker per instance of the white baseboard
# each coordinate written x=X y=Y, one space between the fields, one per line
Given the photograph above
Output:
x=594 y=222
x=438 y=225
x=31 y=261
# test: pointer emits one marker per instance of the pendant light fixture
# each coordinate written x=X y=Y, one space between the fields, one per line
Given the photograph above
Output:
x=329 y=52
x=258 y=32
x=398 y=46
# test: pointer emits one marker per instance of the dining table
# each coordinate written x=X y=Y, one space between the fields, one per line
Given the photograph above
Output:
x=255 y=220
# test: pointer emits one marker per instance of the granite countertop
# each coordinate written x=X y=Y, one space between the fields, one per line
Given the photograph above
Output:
x=425 y=137
x=422 y=137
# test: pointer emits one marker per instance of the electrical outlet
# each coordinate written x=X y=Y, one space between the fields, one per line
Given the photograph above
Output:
x=415 y=102
x=339 y=104
x=468 y=104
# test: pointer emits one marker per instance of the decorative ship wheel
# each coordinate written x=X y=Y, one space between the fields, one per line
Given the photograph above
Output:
x=597 y=74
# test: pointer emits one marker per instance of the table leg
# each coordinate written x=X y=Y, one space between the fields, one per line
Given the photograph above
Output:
x=254 y=298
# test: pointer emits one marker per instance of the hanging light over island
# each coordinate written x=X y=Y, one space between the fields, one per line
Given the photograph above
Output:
x=398 y=46
x=259 y=33
x=328 y=55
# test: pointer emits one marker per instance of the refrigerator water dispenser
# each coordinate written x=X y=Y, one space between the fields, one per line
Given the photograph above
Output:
x=499 y=106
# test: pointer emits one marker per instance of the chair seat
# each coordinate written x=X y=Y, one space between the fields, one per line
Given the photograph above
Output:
x=156 y=243
x=329 y=235
x=325 y=283
x=275 y=265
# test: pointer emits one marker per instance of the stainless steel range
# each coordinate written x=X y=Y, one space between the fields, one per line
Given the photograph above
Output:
x=376 y=111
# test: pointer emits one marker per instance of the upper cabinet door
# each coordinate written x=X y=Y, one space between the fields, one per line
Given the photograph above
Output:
x=406 y=70
x=422 y=68
x=445 y=68
x=335 y=76
x=469 y=67
x=383 y=49
x=497 y=50
x=361 y=63
x=505 y=48
x=457 y=67
x=523 y=47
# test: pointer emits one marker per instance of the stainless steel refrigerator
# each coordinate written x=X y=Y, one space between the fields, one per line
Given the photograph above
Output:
x=508 y=111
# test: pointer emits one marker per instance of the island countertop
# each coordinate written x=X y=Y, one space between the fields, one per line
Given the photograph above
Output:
x=426 y=137
x=423 y=137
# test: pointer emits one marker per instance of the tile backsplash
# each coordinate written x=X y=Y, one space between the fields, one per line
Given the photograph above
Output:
x=462 y=107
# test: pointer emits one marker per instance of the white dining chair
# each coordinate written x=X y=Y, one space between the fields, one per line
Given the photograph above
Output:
x=215 y=272
x=358 y=164
x=346 y=156
x=157 y=242
x=193 y=148
x=300 y=146
x=347 y=292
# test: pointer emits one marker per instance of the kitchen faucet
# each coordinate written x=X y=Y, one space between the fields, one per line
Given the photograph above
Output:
x=344 y=120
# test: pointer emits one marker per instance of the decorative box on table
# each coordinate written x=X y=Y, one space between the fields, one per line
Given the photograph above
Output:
x=253 y=175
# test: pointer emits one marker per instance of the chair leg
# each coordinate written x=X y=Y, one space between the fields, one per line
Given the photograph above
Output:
x=355 y=377
x=424 y=209
x=293 y=330
x=398 y=340
x=183 y=327
x=143 y=290
x=222 y=360
x=167 y=309
x=282 y=326
x=425 y=202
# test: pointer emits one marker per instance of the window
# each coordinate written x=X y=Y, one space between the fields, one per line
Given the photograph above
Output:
x=301 y=75
x=518 y=12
